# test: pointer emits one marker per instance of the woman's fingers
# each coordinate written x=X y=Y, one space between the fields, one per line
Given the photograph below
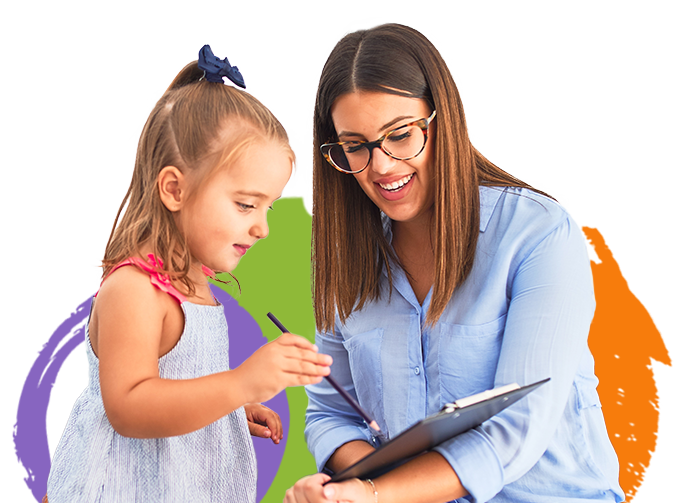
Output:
x=351 y=490
x=308 y=490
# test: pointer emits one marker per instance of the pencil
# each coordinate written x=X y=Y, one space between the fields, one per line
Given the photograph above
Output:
x=335 y=385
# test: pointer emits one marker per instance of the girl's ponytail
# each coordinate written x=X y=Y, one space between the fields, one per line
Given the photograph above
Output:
x=190 y=74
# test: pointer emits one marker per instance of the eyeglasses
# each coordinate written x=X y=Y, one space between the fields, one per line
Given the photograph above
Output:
x=402 y=143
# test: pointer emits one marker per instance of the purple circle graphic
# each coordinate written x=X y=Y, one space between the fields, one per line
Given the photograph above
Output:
x=30 y=430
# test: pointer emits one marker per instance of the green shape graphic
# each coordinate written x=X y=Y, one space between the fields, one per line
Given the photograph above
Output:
x=275 y=276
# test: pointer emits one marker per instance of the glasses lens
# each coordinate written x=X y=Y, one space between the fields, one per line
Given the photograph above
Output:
x=351 y=156
x=405 y=142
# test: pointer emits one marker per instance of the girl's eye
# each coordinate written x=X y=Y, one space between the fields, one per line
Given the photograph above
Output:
x=245 y=207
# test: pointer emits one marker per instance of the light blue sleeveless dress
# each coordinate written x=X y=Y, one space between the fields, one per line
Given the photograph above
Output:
x=95 y=464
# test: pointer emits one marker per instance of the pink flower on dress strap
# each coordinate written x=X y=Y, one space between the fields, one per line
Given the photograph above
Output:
x=159 y=279
x=208 y=272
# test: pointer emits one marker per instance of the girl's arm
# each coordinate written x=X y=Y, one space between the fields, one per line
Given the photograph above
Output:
x=130 y=319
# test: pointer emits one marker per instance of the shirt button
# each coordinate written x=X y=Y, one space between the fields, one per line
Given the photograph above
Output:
x=416 y=371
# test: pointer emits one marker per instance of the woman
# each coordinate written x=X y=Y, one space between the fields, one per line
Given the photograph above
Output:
x=437 y=276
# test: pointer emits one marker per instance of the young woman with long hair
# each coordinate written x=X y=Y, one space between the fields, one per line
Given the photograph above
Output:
x=438 y=275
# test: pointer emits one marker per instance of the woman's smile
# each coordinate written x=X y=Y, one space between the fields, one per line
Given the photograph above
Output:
x=395 y=190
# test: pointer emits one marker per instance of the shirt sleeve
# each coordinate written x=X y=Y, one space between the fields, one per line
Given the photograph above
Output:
x=548 y=319
x=329 y=420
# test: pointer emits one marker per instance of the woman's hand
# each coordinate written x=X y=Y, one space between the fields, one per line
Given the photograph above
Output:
x=263 y=422
x=312 y=490
x=289 y=360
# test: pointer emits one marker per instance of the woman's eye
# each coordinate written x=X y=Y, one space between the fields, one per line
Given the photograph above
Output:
x=396 y=137
x=351 y=148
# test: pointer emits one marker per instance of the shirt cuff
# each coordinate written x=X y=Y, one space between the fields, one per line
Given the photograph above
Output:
x=476 y=463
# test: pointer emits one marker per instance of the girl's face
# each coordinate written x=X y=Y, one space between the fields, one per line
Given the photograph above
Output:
x=228 y=214
x=367 y=116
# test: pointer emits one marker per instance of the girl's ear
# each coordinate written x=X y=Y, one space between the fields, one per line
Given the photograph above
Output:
x=172 y=187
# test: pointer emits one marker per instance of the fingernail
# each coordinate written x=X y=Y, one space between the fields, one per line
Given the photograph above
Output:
x=328 y=492
x=315 y=348
x=267 y=433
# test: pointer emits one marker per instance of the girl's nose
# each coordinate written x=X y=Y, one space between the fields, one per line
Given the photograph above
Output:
x=260 y=229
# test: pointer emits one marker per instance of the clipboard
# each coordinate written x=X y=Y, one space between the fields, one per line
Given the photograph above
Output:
x=453 y=419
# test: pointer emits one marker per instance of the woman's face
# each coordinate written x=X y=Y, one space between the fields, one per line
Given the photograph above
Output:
x=366 y=116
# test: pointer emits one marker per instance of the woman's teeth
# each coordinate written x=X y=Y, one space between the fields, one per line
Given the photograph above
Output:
x=397 y=185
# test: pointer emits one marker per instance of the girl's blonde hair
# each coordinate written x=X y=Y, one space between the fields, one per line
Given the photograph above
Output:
x=186 y=129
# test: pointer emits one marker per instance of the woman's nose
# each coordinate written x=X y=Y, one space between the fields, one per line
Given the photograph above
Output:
x=381 y=162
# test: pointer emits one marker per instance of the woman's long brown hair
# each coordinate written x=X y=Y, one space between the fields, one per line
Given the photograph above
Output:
x=349 y=250
x=186 y=129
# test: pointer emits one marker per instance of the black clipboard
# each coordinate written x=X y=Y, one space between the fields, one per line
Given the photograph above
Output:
x=428 y=433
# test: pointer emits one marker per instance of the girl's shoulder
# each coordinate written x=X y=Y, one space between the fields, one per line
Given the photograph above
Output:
x=129 y=288
x=141 y=274
x=133 y=289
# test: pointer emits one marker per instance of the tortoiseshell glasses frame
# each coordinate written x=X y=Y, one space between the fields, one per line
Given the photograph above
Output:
x=399 y=143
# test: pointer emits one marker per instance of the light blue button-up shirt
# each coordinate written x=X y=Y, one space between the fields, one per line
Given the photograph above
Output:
x=522 y=315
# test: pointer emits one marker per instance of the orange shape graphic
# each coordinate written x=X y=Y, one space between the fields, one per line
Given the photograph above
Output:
x=623 y=340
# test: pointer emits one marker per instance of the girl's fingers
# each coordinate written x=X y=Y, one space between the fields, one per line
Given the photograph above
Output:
x=257 y=430
x=309 y=356
x=294 y=366
x=287 y=339
x=264 y=422
x=274 y=424
x=294 y=353
x=301 y=361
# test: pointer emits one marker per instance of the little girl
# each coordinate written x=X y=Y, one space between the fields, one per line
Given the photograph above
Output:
x=163 y=418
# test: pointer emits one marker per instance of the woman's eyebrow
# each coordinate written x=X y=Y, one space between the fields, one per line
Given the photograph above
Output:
x=385 y=126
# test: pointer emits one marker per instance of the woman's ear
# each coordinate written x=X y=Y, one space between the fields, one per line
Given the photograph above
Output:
x=172 y=187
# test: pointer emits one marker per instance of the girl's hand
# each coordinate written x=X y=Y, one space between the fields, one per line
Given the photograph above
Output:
x=289 y=360
x=312 y=490
x=263 y=422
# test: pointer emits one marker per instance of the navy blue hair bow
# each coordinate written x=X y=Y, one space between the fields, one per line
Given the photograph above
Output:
x=216 y=68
